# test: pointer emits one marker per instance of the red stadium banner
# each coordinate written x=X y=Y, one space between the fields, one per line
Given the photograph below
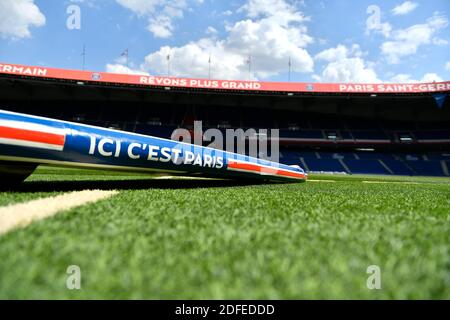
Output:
x=155 y=81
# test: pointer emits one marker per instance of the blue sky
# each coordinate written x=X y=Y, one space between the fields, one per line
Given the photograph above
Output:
x=328 y=41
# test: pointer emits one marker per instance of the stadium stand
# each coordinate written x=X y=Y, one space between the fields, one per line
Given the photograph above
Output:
x=367 y=166
x=371 y=162
x=391 y=135
x=324 y=165
x=427 y=168
x=398 y=167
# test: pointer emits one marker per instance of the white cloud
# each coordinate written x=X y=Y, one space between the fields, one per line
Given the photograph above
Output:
x=339 y=53
x=120 y=68
x=439 y=42
x=447 y=65
x=404 y=8
x=279 y=10
x=141 y=7
x=431 y=77
x=17 y=16
x=160 y=13
x=161 y=26
x=272 y=32
x=406 y=78
x=123 y=66
x=407 y=41
x=89 y=3
x=345 y=65
x=211 y=30
x=384 y=28
x=402 y=78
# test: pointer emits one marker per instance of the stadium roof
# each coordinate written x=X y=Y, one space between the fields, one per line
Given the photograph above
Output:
x=105 y=78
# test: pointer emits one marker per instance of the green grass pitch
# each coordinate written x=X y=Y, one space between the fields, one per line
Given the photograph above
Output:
x=213 y=239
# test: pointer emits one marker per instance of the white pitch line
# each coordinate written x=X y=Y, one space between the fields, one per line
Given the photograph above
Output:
x=391 y=182
x=327 y=181
x=22 y=214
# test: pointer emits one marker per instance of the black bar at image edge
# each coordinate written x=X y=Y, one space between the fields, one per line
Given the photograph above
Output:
x=225 y=309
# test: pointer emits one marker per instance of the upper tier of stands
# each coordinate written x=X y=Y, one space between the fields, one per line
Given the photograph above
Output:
x=295 y=128
x=296 y=135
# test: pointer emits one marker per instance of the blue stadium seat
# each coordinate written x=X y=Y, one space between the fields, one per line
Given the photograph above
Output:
x=290 y=157
x=327 y=165
x=398 y=167
x=367 y=166
x=334 y=155
x=438 y=156
x=368 y=163
x=427 y=168
x=375 y=155
x=308 y=155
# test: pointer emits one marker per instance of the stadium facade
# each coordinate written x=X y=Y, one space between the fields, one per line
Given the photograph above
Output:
x=392 y=129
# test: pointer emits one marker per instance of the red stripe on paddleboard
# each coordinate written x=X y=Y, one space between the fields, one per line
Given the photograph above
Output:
x=260 y=169
x=32 y=136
